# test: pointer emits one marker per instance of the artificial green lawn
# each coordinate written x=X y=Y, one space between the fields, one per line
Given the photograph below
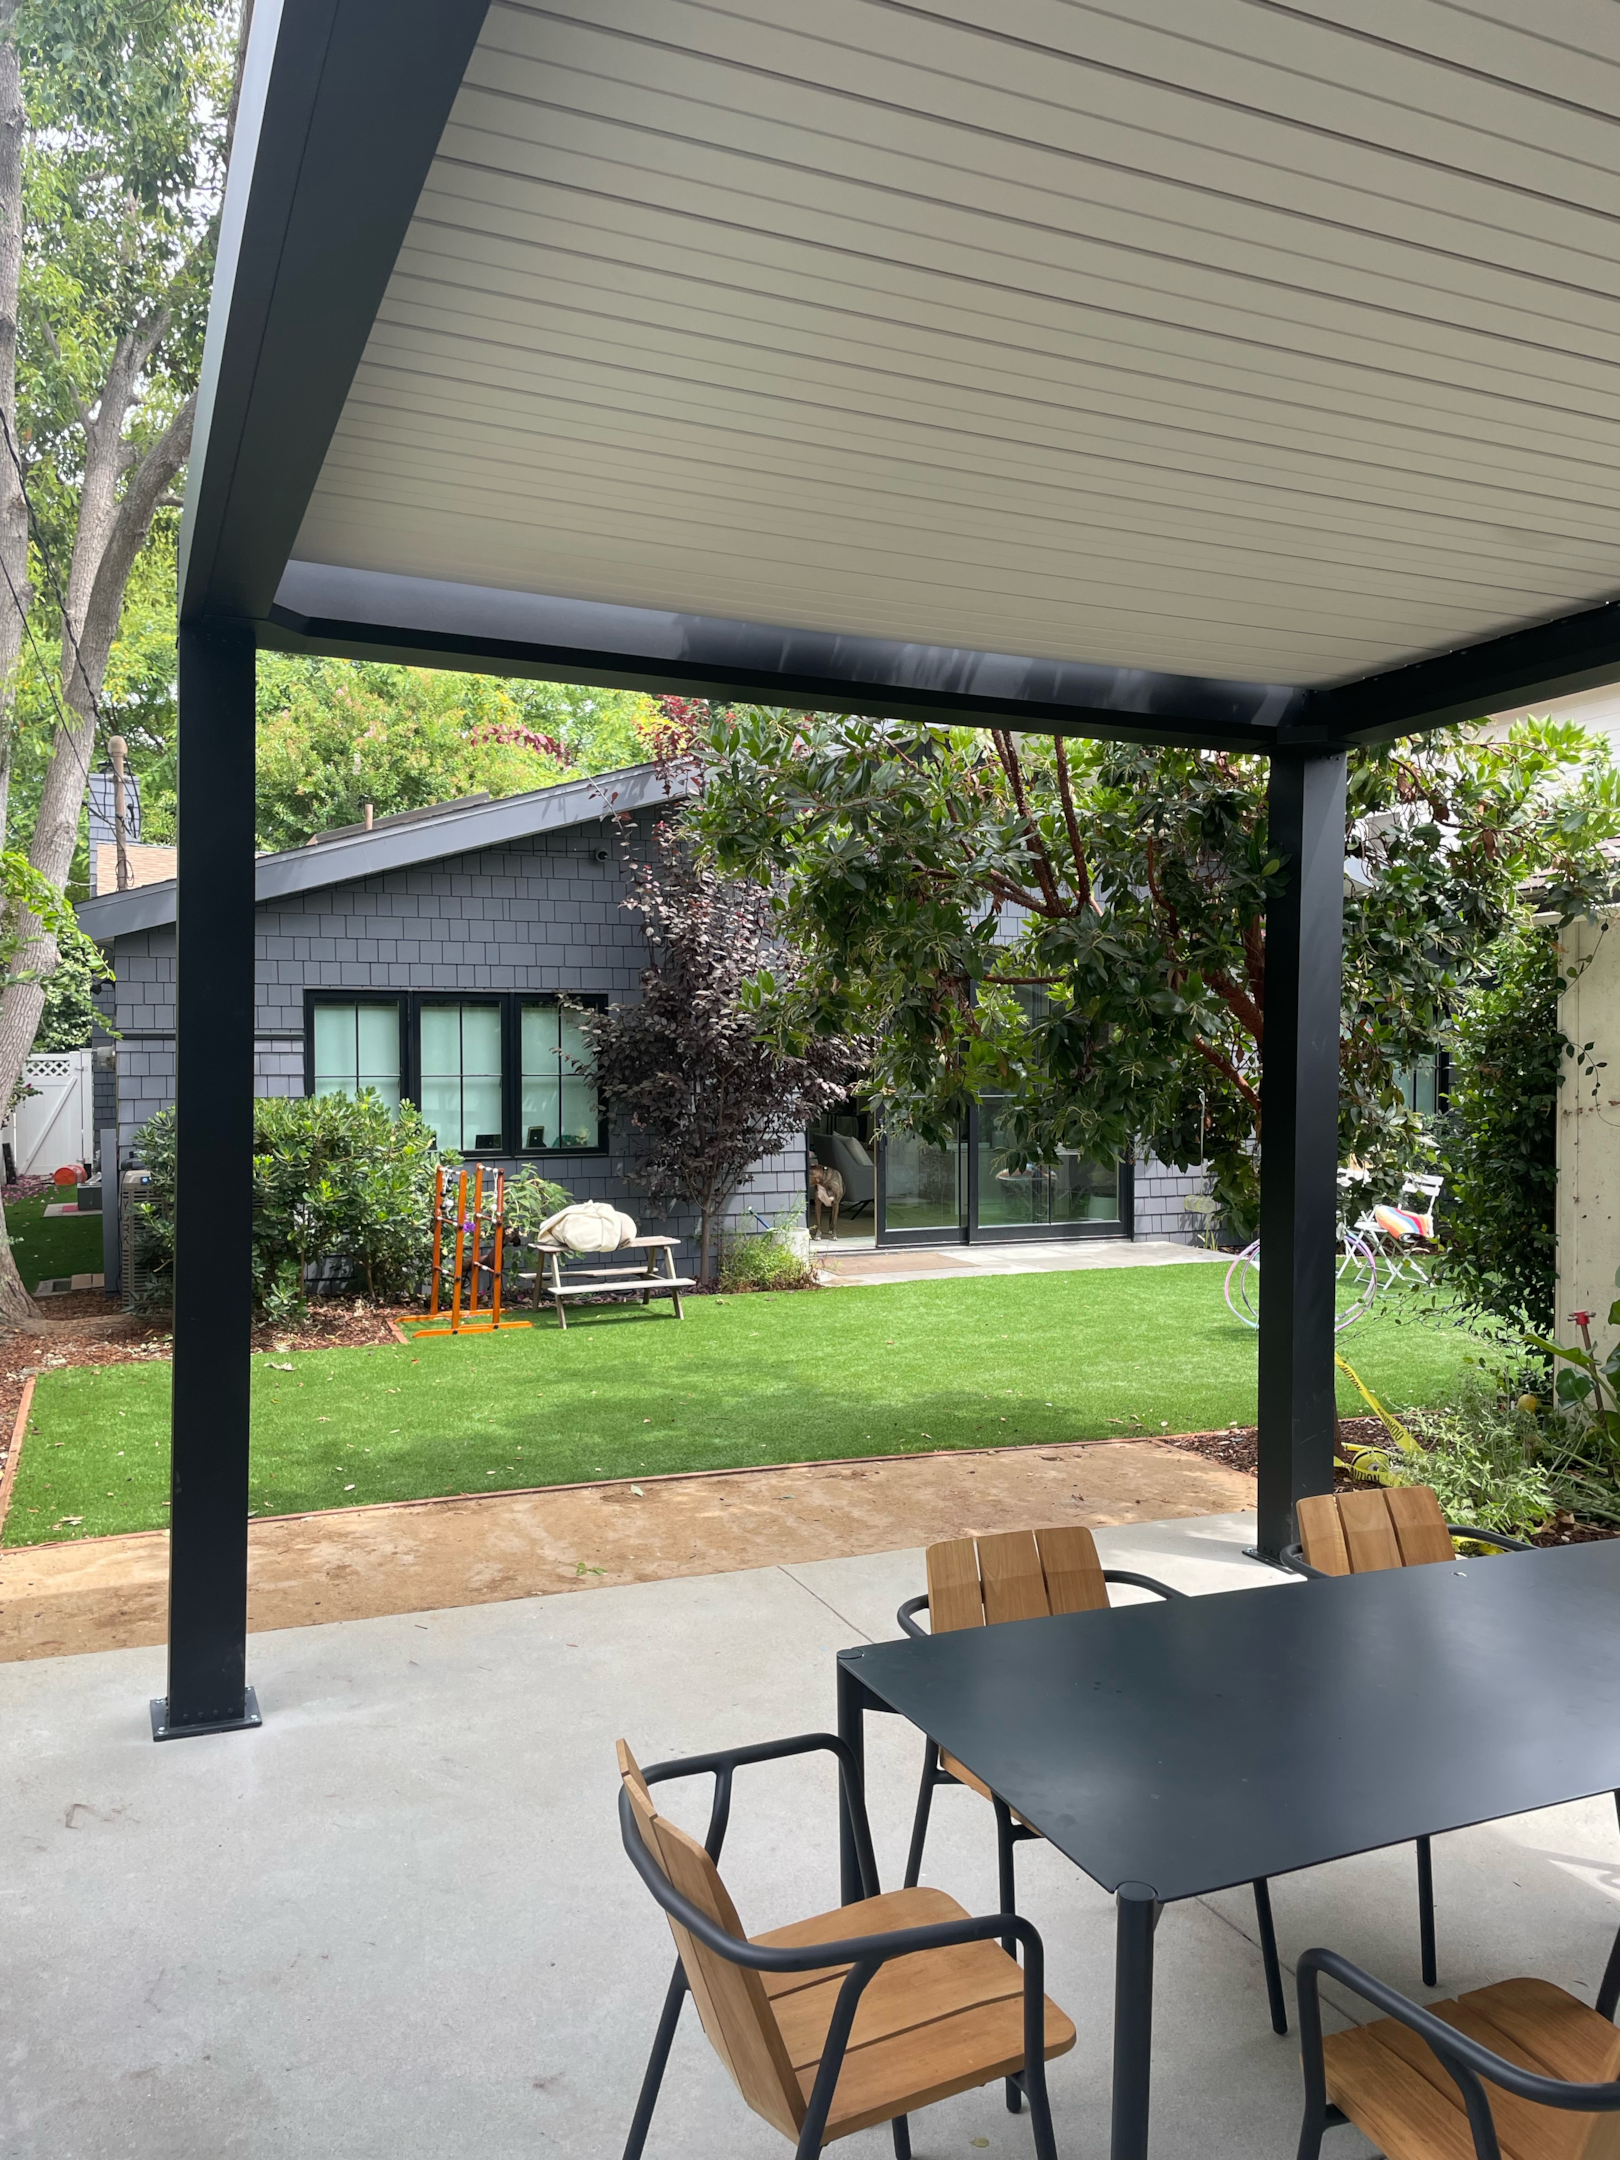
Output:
x=751 y=1379
x=66 y=1245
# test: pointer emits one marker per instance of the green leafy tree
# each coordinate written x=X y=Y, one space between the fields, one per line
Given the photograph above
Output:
x=335 y=735
x=1080 y=927
x=114 y=124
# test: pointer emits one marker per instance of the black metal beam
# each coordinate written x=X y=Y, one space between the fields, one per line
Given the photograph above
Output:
x=1551 y=659
x=361 y=614
x=213 y=1288
x=1299 y=1148
x=343 y=105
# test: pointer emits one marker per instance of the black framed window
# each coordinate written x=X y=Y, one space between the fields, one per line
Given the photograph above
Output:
x=557 y=1100
x=352 y=1043
x=461 y=1073
x=494 y=1073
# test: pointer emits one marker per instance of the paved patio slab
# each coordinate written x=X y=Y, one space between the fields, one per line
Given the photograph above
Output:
x=395 y=1924
x=843 y=1269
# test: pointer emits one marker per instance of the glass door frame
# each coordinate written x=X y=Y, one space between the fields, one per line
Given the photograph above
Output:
x=968 y=1229
x=1122 y=1226
x=946 y=1234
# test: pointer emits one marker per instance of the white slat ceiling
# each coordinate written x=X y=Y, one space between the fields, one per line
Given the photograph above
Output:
x=1268 y=341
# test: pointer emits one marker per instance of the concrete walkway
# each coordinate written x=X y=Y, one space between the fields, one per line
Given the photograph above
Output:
x=396 y=1924
x=1059 y=1256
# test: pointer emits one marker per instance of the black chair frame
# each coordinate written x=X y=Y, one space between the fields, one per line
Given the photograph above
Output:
x=864 y=1954
x=1293 y=1557
x=1471 y=2065
x=1010 y=1833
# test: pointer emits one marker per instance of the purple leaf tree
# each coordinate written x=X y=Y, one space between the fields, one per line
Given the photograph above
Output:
x=706 y=1092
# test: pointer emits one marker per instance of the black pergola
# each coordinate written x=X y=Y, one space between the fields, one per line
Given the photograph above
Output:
x=1244 y=381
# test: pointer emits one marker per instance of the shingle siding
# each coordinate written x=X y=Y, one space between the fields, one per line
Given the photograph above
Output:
x=541 y=915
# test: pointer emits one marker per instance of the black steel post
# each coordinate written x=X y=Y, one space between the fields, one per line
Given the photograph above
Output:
x=851 y=1730
x=1299 y=1150
x=1136 y=1915
x=213 y=1302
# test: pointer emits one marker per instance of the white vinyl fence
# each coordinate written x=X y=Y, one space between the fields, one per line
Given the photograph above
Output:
x=56 y=1124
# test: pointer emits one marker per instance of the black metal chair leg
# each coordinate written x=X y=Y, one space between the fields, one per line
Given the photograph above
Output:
x=1268 y=1953
x=1009 y=1904
x=1425 y=1874
x=919 y=1825
x=663 y=2039
x=902 y=2138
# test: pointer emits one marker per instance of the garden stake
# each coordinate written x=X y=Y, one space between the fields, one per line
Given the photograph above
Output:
x=461 y=1247
x=477 y=1219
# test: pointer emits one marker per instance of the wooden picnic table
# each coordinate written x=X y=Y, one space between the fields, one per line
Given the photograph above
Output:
x=646 y=1280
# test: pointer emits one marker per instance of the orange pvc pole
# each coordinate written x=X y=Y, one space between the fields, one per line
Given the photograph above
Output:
x=438 y=1234
x=500 y=1237
x=461 y=1242
x=478 y=1239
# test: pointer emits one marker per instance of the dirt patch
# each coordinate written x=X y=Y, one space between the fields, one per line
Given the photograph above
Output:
x=425 y=1555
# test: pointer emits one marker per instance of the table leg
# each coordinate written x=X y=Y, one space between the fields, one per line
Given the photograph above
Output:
x=851 y=1730
x=1136 y=1917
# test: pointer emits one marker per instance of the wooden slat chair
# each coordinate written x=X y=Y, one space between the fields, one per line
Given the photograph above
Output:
x=1027 y=1575
x=855 y=2017
x=1521 y=2068
x=1361 y=1533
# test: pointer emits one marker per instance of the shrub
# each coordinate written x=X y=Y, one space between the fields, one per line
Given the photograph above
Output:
x=336 y=1178
x=530 y=1198
x=1481 y=1453
x=766 y=1262
x=1498 y=1147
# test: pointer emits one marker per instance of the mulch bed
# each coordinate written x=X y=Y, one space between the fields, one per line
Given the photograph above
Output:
x=1239 y=1448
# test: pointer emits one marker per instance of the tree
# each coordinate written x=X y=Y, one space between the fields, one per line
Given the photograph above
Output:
x=705 y=1095
x=114 y=125
x=335 y=735
x=1080 y=927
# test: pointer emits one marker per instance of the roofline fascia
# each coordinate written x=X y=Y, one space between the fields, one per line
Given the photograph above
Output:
x=377 y=853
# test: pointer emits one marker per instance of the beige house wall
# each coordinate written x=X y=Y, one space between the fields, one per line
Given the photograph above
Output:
x=1588 y=1214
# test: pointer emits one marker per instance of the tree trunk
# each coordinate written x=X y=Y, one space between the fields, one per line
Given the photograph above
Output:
x=15 y=1303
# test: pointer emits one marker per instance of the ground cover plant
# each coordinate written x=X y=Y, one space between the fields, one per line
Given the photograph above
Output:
x=752 y=1379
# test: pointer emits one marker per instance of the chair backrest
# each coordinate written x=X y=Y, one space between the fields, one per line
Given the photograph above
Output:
x=1016 y=1575
x=731 y=1999
x=1356 y=1533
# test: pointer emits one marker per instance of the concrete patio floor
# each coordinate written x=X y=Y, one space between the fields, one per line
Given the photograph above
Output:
x=395 y=1924
x=844 y=1268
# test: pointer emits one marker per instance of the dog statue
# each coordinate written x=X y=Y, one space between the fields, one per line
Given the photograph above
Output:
x=826 y=1190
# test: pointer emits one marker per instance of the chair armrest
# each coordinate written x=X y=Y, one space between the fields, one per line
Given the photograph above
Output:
x=1292 y=1556
x=723 y=1761
x=1489 y=1537
x=811 y=1957
x=1465 y=2058
x=906 y=1624
x=1142 y=1582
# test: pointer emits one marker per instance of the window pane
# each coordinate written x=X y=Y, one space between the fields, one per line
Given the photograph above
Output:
x=461 y=1076
x=560 y=1108
x=357 y=1046
x=441 y=1040
x=335 y=1059
x=481 y=1040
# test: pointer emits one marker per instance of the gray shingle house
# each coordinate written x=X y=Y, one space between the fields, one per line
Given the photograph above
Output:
x=428 y=956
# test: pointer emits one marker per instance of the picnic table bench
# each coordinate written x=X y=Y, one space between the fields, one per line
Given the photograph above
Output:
x=645 y=1281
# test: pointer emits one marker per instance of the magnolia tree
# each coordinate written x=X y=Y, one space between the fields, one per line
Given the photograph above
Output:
x=1080 y=927
x=705 y=1095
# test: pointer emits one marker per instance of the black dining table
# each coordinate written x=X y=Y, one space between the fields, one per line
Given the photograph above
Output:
x=1170 y=1750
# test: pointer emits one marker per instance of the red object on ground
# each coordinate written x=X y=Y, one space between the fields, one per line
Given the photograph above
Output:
x=65 y=1176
